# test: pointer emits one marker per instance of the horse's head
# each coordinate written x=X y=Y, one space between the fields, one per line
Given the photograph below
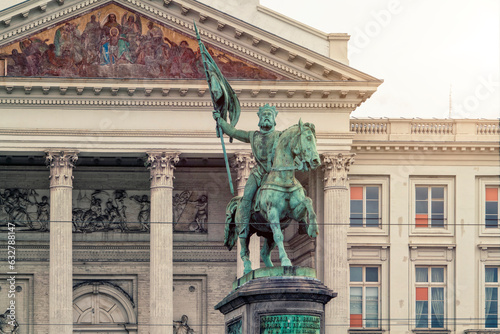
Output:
x=304 y=148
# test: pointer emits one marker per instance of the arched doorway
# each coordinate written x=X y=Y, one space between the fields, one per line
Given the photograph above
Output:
x=102 y=308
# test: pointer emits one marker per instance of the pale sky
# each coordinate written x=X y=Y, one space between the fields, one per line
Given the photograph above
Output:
x=420 y=48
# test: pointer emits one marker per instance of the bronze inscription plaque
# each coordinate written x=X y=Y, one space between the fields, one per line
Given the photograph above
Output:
x=290 y=324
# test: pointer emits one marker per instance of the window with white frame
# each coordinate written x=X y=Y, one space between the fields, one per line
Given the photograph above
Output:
x=364 y=297
x=430 y=206
x=491 y=207
x=430 y=292
x=491 y=307
x=365 y=206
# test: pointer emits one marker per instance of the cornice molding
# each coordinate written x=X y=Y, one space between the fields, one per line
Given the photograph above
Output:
x=180 y=93
x=166 y=103
x=422 y=147
x=134 y=133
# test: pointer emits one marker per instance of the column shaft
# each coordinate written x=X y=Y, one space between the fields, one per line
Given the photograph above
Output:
x=336 y=219
x=244 y=162
x=161 y=242
x=61 y=242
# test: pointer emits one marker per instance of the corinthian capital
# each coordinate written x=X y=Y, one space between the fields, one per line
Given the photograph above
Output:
x=61 y=165
x=161 y=166
x=243 y=162
x=336 y=167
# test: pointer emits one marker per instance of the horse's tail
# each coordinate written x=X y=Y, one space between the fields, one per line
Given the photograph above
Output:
x=230 y=232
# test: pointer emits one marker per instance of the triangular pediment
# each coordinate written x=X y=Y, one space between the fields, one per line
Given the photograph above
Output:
x=150 y=39
x=115 y=41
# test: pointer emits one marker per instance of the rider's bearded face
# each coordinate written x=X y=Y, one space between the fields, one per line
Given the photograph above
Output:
x=266 y=120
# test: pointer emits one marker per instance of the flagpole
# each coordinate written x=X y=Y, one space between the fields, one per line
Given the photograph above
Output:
x=218 y=130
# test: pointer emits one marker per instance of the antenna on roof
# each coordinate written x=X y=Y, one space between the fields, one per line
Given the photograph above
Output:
x=450 y=106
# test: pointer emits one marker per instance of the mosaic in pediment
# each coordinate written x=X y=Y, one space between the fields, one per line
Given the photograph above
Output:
x=113 y=42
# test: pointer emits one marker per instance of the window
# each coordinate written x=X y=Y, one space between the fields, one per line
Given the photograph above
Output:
x=487 y=196
x=365 y=206
x=491 y=297
x=364 y=297
x=491 y=207
x=430 y=206
x=430 y=297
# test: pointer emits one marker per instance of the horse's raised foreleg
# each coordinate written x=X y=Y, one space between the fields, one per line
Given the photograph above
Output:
x=245 y=255
x=265 y=253
x=274 y=220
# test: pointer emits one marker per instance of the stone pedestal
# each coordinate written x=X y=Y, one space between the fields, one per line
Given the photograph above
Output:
x=276 y=300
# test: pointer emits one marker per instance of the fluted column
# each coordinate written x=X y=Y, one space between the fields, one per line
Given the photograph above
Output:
x=336 y=219
x=61 y=241
x=161 y=166
x=244 y=162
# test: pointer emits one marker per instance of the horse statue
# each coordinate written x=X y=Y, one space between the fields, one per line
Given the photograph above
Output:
x=280 y=198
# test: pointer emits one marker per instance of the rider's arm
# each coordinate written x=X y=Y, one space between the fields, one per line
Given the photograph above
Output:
x=230 y=130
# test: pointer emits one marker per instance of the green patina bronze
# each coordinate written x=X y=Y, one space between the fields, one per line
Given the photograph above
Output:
x=235 y=327
x=290 y=324
x=275 y=272
x=272 y=196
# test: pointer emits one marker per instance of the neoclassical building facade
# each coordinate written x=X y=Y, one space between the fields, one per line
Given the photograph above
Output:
x=113 y=186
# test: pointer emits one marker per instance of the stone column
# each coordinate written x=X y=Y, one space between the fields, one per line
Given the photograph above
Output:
x=336 y=220
x=61 y=241
x=161 y=166
x=244 y=162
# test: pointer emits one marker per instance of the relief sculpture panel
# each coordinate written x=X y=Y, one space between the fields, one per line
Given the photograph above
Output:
x=113 y=42
x=102 y=210
x=28 y=208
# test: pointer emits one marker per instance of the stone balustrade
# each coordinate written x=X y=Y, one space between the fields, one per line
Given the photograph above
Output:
x=425 y=129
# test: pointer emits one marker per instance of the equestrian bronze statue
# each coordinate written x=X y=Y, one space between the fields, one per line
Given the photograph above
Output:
x=273 y=197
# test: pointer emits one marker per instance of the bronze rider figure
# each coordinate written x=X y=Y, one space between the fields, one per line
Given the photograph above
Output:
x=263 y=144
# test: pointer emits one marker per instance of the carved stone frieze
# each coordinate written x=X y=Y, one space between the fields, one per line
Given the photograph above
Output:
x=110 y=211
x=100 y=210
x=61 y=167
x=336 y=167
x=161 y=166
x=28 y=209
x=190 y=211
x=243 y=162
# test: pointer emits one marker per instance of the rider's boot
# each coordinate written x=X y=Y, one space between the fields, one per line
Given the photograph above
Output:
x=245 y=207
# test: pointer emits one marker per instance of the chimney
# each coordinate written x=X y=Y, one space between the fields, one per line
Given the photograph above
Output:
x=338 y=47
